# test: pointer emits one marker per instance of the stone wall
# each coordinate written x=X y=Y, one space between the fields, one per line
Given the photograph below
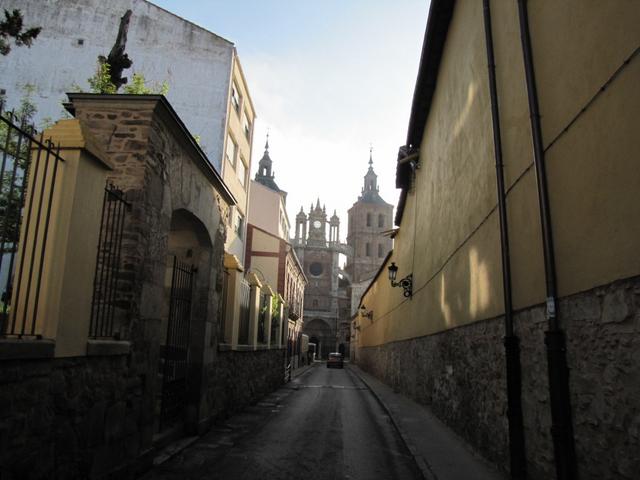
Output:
x=72 y=418
x=242 y=378
x=460 y=375
x=98 y=416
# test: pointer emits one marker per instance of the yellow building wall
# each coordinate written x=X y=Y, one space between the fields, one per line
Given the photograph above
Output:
x=454 y=251
x=235 y=243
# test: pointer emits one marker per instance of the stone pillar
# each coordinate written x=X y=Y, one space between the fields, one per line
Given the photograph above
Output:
x=254 y=308
x=232 y=305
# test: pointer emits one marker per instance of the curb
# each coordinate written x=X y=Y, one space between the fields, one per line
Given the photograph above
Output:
x=301 y=371
x=424 y=467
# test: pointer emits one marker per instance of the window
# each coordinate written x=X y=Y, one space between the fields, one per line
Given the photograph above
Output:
x=368 y=249
x=380 y=221
x=239 y=225
x=241 y=171
x=315 y=269
x=231 y=151
x=246 y=125
x=235 y=97
x=380 y=250
x=368 y=219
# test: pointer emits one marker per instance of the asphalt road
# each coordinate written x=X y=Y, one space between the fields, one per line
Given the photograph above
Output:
x=325 y=425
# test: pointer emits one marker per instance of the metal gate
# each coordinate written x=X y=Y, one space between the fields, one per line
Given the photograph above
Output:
x=174 y=356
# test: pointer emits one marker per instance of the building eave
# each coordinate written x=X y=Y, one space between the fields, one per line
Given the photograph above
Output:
x=440 y=14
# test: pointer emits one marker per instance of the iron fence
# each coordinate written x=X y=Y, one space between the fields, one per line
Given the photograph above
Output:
x=262 y=318
x=105 y=282
x=275 y=323
x=174 y=355
x=245 y=300
x=28 y=172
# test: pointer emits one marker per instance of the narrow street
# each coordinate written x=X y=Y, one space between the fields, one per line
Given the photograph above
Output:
x=325 y=424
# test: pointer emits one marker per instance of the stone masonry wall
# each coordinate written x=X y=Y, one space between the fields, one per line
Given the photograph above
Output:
x=460 y=375
x=242 y=378
x=75 y=418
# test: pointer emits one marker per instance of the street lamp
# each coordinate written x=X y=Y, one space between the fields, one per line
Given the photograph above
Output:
x=364 y=313
x=406 y=283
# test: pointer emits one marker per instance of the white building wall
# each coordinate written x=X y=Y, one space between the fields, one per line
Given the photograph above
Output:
x=196 y=63
x=267 y=210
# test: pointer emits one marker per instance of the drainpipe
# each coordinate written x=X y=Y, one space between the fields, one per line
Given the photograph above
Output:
x=517 y=455
x=555 y=341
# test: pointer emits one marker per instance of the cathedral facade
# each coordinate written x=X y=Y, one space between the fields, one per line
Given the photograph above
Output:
x=332 y=294
x=326 y=303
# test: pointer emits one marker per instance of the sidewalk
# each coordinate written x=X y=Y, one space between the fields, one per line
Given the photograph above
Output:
x=439 y=453
x=300 y=370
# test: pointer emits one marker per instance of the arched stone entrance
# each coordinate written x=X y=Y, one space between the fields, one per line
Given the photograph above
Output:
x=183 y=325
x=324 y=335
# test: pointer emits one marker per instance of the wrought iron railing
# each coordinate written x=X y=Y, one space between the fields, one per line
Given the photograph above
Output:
x=105 y=282
x=28 y=171
x=275 y=323
x=245 y=318
x=262 y=318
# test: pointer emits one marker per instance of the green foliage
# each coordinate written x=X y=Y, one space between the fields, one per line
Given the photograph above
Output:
x=101 y=80
x=197 y=138
x=275 y=307
x=138 y=86
x=101 y=83
x=16 y=152
x=27 y=109
x=11 y=27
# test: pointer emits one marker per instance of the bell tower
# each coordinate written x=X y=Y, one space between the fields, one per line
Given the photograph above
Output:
x=334 y=228
x=369 y=218
x=317 y=226
x=301 y=228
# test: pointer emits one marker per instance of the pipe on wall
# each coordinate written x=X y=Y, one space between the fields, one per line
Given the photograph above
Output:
x=555 y=341
x=517 y=455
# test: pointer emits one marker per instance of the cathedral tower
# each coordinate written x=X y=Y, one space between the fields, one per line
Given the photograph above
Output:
x=369 y=217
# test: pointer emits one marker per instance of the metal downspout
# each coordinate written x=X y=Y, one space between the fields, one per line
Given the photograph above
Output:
x=517 y=454
x=558 y=371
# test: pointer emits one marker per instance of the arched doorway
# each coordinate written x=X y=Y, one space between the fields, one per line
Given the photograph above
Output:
x=324 y=336
x=183 y=322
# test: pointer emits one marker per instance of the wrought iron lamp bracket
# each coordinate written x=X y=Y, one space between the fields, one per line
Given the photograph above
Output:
x=407 y=285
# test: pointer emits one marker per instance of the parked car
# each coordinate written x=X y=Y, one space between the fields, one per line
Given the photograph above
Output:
x=335 y=360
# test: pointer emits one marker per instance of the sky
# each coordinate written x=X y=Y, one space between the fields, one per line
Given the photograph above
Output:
x=328 y=78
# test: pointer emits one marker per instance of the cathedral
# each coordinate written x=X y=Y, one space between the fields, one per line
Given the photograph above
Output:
x=333 y=293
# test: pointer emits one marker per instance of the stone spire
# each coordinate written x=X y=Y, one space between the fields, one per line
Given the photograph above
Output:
x=265 y=175
x=370 y=188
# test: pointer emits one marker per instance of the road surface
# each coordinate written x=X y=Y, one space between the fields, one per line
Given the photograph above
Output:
x=324 y=425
